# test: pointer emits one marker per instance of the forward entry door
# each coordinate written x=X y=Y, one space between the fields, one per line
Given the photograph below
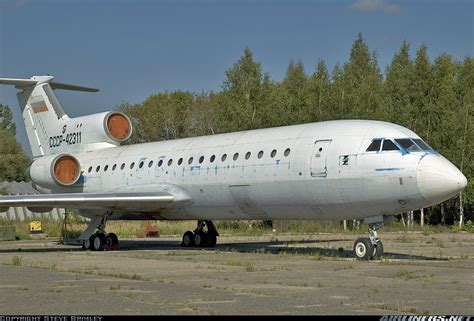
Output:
x=319 y=158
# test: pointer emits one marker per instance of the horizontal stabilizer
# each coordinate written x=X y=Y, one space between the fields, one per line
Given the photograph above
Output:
x=57 y=85
x=23 y=83
x=18 y=83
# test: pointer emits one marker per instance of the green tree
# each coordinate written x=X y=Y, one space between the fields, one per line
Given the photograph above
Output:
x=421 y=93
x=465 y=135
x=397 y=87
x=13 y=161
x=161 y=116
x=319 y=93
x=289 y=99
x=444 y=108
x=6 y=119
x=337 y=94
x=244 y=91
x=362 y=83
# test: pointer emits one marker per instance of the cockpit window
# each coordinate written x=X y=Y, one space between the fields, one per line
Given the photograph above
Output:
x=422 y=144
x=374 y=146
x=408 y=144
x=389 y=145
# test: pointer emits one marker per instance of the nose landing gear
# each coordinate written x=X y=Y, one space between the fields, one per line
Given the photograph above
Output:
x=367 y=248
x=205 y=235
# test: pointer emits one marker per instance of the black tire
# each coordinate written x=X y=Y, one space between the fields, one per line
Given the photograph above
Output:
x=87 y=244
x=363 y=248
x=378 y=251
x=98 y=242
x=188 y=239
x=212 y=240
x=111 y=240
x=199 y=239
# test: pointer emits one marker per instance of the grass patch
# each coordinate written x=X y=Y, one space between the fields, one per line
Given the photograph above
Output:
x=439 y=243
x=344 y=268
x=115 y=287
x=128 y=229
x=16 y=260
x=249 y=266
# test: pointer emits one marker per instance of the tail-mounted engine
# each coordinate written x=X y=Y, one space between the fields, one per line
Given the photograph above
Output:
x=55 y=171
x=91 y=132
x=118 y=126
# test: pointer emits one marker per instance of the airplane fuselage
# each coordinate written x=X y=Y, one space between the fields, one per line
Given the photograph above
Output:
x=310 y=171
x=336 y=170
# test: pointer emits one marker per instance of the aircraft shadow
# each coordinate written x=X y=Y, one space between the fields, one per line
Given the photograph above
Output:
x=272 y=247
x=269 y=247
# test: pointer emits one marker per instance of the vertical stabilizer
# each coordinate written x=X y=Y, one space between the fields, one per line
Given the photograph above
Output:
x=43 y=115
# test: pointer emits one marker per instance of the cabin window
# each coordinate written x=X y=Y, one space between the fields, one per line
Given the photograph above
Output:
x=389 y=145
x=160 y=162
x=170 y=161
x=97 y=168
x=374 y=146
x=90 y=169
x=114 y=167
x=141 y=164
x=287 y=152
x=247 y=156
x=190 y=161
x=223 y=157
x=260 y=154
x=106 y=168
x=123 y=166
x=201 y=159
x=180 y=161
x=150 y=164
x=236 y=156
x=422 y=144
x=407 y=144
x=273 y=153
x=132 y=165
x=213 y=157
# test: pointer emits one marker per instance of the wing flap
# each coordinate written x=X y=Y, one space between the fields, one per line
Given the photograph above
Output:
x=111 y=201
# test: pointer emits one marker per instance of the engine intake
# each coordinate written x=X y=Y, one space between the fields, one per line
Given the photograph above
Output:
x=118 y=126
x=66 y=170
x=55 y=171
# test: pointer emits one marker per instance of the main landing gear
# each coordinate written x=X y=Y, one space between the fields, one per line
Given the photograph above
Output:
x=205 y=235
x=95 y=238
x=368 y=248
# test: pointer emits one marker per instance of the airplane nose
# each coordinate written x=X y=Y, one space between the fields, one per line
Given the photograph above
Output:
x=438 y=179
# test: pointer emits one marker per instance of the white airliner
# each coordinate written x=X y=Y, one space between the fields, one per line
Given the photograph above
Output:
x=334 y=170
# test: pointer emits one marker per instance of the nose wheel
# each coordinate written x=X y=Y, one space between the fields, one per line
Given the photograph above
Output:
x=205 y=235
x=368 y=248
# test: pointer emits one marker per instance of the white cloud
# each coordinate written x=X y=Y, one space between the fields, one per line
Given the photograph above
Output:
x=375 y=5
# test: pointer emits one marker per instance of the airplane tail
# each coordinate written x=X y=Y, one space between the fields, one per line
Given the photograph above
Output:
x=50 y=131
x=44 y=118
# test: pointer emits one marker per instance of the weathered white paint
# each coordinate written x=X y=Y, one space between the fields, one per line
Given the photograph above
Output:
x=327 y=174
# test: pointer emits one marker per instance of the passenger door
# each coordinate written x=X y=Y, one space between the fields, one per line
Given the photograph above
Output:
x=319 y=158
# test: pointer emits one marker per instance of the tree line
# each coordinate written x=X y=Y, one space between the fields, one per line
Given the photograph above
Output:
x=13 y=161
x=432 y=98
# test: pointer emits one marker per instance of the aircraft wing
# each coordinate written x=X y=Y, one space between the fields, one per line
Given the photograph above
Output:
x=111 y=201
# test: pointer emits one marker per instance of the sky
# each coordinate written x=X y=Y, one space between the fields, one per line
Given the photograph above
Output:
x=132 y=49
